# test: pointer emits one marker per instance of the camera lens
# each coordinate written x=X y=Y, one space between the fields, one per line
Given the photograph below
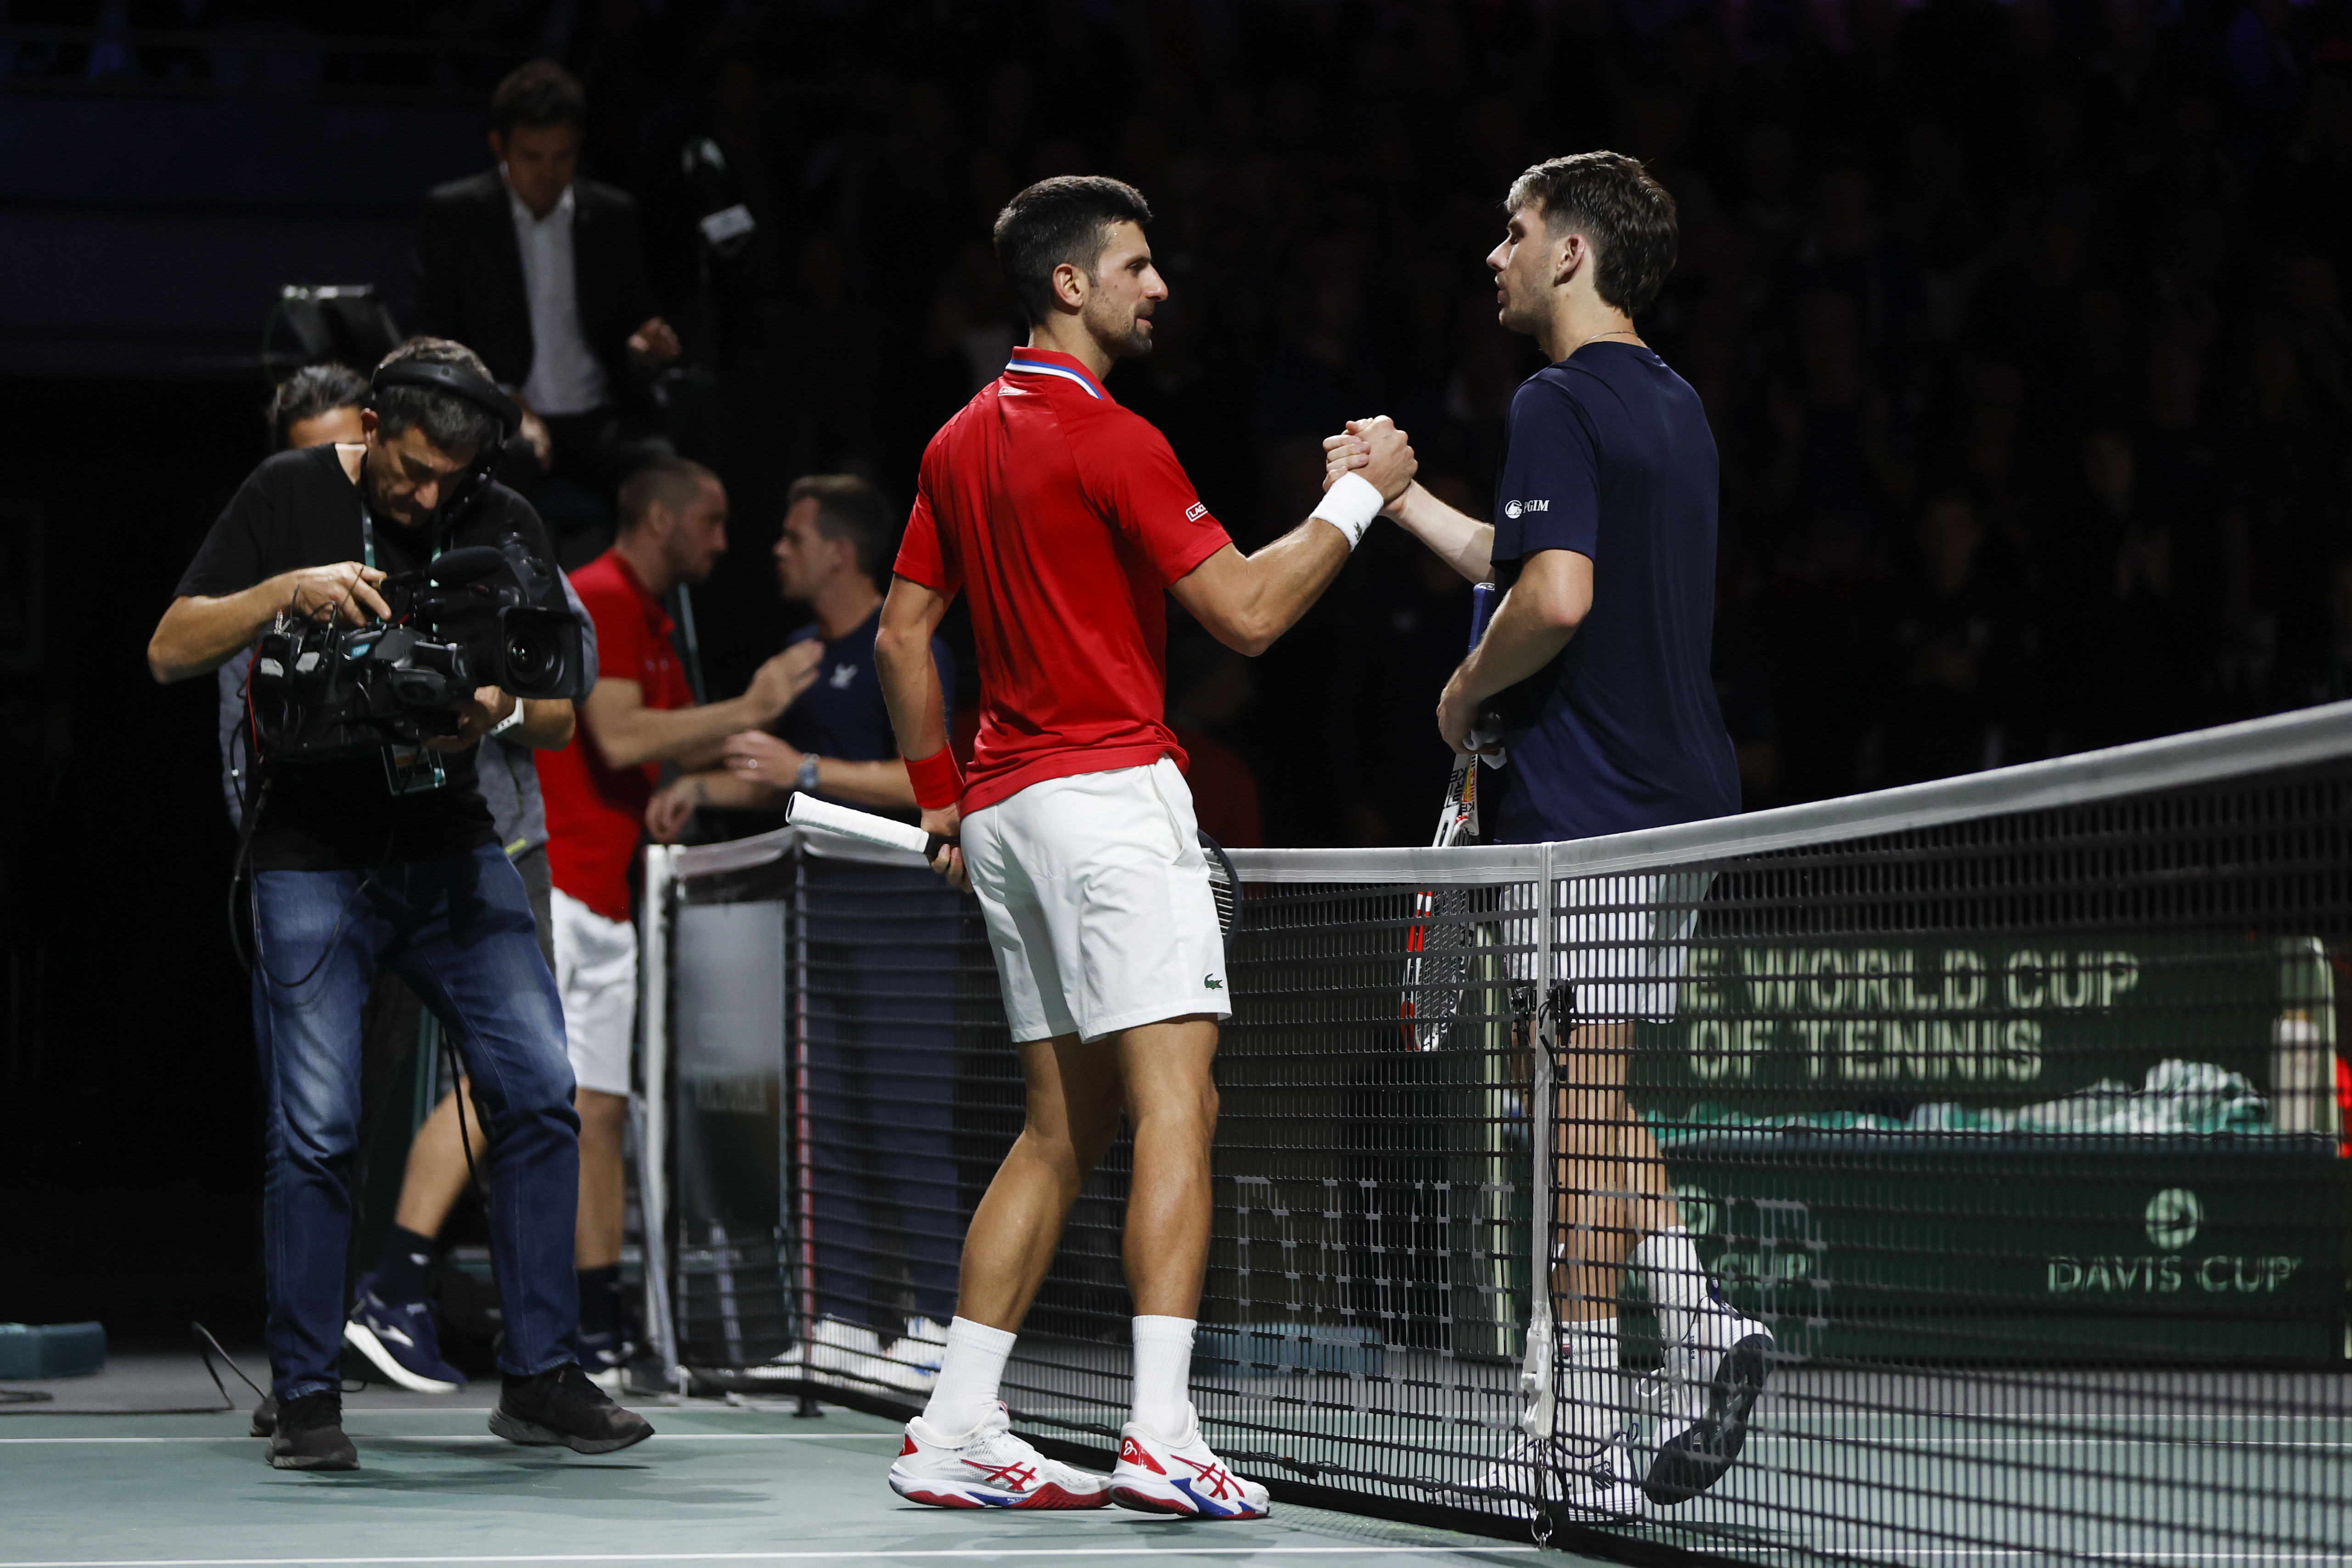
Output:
x=534 y=657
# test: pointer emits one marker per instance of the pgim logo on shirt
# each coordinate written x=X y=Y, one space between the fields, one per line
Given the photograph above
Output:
x=1514 y=509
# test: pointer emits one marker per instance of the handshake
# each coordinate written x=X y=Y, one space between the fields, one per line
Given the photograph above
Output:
x=1375 y=449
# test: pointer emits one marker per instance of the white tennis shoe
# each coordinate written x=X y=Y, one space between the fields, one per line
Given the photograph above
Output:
x=988 y=1467
x=1182 y=1478
x=1713 y=1374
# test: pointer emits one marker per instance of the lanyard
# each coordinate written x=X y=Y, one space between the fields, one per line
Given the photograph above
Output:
x=408 y=769
x=367 y=527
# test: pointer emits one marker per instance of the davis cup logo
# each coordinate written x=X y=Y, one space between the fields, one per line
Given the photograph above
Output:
x=2173 y=1216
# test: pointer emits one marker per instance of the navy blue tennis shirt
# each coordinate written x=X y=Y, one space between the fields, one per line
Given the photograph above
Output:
x=842 y=715
x=1610 y=456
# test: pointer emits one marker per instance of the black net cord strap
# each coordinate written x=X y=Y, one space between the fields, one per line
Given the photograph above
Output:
x=1952 y=1176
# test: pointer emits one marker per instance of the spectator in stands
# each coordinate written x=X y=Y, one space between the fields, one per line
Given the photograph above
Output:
x=883 y=1067
x=543 y=274
x=2325 y=675
x=2122 y=611
x=1958 y=645
x=641 y=714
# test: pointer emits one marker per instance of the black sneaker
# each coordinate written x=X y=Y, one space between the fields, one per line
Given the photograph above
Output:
x=265 y=1415
x=310 y=1434
x=564 y=1408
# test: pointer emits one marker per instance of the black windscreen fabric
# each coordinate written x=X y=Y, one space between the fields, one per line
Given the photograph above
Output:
x=2021 y=1136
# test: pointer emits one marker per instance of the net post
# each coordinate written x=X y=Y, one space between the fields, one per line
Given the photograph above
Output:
x=1542 y=1097
x=652 y=1141
x=800 y=1134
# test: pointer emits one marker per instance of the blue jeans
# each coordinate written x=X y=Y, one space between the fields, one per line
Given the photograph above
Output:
x=458 y=930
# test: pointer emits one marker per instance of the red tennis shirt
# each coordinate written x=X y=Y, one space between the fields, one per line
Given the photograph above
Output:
x=1066 y=518
x=597 y=814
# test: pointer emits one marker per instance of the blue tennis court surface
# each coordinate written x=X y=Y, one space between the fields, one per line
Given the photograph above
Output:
x=716 y=1484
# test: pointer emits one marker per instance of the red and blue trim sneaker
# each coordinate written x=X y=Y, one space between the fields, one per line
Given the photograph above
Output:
x=1182 y=1478
x=988 y=1467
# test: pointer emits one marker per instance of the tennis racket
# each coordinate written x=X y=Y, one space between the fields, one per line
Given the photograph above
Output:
x=1438 y=946
x=887 y=832
x=1225 y=887
x=846 y=821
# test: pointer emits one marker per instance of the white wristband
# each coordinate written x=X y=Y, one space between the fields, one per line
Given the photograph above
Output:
x=514 y=717
x=1349 y=506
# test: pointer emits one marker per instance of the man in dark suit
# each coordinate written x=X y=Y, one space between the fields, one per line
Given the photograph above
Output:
x=543 y=274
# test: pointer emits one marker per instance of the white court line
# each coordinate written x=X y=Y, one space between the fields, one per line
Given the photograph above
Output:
x=1977 y=1551
x=486 y=1437
x=1899 y=1444
x=892 y=1554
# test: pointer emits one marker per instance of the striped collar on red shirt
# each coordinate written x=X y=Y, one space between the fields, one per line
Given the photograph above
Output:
x=1052 y=362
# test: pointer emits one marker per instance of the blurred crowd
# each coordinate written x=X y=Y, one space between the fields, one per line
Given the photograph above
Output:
x=2021 y=326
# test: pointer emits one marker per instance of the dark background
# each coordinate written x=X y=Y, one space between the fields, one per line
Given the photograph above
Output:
x=2020 y=326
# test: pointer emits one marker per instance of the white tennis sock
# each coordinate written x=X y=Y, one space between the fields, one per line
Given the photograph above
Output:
x=1674 y=1278
x=1592 y=1405
x=969 y=1369
x=1592 y=1342
x=1164 y=1375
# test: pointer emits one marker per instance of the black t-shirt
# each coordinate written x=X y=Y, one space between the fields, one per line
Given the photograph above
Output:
x=1610 y=456
x=299 y=509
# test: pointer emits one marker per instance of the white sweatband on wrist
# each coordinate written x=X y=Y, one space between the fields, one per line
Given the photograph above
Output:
x=1349 y=506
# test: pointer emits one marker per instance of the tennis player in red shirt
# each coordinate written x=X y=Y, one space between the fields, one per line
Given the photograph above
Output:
x=1066 y=519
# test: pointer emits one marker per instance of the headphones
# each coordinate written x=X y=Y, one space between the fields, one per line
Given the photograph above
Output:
x=457 y=382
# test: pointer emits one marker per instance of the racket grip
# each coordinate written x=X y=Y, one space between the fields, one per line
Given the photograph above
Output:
x=806 y=811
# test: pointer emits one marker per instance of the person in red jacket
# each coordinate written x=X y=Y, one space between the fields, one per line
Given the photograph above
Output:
x=640 y=714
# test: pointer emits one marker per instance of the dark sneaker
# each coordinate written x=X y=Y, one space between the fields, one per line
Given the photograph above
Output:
x=562 y=1408
x=1713 y=1376
x=265 y=1415
x=308 y=1433
x=398 y=1338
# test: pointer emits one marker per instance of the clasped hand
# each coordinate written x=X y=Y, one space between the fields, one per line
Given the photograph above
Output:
x=1376 y=449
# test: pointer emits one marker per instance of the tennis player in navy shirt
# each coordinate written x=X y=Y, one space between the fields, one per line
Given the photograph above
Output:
x=1596 y=664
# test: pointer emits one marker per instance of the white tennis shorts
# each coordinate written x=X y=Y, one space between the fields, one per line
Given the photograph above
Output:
x=1622 y=942
x=1097 y=903
x=596 y=976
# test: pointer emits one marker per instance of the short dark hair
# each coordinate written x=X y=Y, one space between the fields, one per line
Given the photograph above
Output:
x=1065 y=219
x=308 y=392
x=537 y=93
x=455 y=425
x=850 y=507
x=1627 y=216
x=673 y=482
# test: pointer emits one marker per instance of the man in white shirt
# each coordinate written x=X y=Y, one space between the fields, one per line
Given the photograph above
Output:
x=543 y=274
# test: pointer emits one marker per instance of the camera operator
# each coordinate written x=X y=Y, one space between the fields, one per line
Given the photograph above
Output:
x=391 y=1322
x=388 y=855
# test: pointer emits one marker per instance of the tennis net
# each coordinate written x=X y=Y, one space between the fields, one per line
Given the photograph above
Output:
x=2002 y=1121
